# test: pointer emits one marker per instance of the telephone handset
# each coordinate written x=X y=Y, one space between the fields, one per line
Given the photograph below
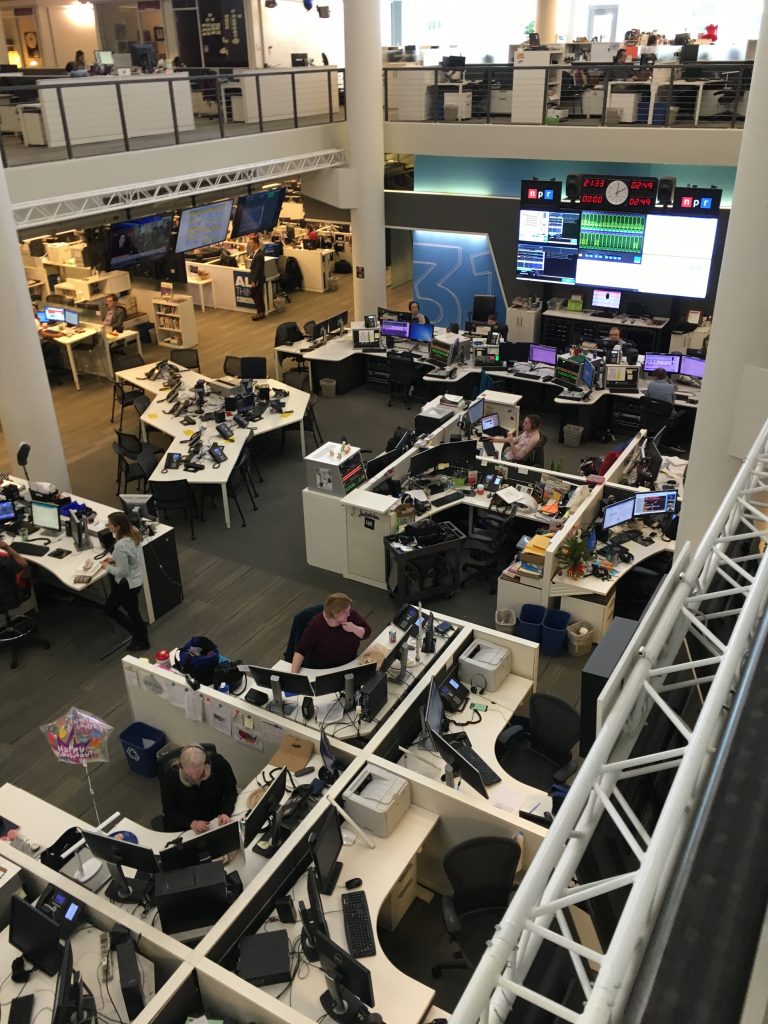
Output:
x=217 y=454
x=172 y=461
x=193 y=439
x=225 y=430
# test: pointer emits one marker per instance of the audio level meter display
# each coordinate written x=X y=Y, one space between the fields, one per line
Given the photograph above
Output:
x=611 y=232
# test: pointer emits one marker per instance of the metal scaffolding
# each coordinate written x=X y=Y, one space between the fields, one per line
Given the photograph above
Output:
x=692 y=640
x=41 y=212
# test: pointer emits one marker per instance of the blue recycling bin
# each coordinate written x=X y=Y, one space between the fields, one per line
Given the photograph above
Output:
x=141 y=743
x=553 y=632
x=529 y=622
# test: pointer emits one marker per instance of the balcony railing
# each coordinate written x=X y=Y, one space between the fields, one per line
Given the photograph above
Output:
x=680 y=95
x=58 y=119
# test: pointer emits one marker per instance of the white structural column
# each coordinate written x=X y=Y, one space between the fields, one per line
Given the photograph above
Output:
x=365 y=152
x=734 y=394
x=546 y=20
x=26 y=405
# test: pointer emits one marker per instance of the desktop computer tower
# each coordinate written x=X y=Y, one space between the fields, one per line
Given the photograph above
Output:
x=265 y=958
x=191 y=898
x=130 y=978
x=373 y=696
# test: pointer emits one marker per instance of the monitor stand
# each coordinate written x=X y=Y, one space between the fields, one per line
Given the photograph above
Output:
x=126 y=890
x=277 y=702
x=342 y=1006
x=349 y=692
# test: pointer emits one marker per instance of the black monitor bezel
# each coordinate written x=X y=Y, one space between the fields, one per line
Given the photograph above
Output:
x=256 y=820
x=188 y=854
x=343 y=969
x=460 y=765
x=36 y=919
x=327 y=828
x=335 y=682
x=120 y=852
x=300 y=685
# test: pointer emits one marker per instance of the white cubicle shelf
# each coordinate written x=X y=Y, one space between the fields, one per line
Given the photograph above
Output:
x=175 y=321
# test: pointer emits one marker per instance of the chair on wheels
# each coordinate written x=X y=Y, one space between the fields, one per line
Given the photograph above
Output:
x=16 y=632
x=536 y=457
x=189 y=358
x=655 y=414
x=175 y=496
x=231 y=366
x=133 y=467
x=542 y=756
x=481 y=872
x=403 y=376
x=253 y=367
x=289 y=333
x=168 y=761
x=310 y=424
x=123 y=395
x=488 y=550
x=299 y=624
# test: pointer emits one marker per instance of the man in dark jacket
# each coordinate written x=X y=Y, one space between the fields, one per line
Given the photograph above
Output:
x=258 y=278
x=199 y=789
x=115 y=314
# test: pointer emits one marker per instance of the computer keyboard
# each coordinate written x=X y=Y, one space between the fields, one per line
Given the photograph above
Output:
x=23 y=548
x=528 y=375
x=447 y=499
x=357 y=924
x=487 y=774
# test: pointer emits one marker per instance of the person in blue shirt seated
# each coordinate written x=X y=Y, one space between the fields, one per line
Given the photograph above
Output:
x=660 y=387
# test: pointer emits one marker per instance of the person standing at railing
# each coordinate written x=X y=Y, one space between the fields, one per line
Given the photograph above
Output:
x=258 y=278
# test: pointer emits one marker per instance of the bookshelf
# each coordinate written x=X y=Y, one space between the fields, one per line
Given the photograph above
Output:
x=175 y=321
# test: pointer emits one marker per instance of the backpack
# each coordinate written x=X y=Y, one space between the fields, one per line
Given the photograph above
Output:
x=198 y=658
x=343 y=267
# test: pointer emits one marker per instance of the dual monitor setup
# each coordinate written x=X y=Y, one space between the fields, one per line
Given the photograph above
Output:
x=55 y=315
x=674 y=363
x=322 y=330
x=645 y=504
x=37 y=934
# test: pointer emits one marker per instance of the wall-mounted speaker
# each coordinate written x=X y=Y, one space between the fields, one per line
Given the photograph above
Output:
x=573 y=186
x=666 y=190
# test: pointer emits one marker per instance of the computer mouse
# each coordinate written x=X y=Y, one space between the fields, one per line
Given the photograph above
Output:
x=353 y=883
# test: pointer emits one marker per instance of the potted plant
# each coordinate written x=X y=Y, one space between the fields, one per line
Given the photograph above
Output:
x=573 y=554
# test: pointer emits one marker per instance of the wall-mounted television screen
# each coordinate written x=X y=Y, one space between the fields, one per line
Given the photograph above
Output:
x=258 y=211
x=135 y=241
x=203 y=225
x=657 y=253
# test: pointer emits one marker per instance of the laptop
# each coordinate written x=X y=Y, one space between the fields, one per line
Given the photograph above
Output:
x=490 y=425
x=7 y=513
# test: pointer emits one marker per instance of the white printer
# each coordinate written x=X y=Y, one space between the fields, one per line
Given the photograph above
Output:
x=377 y=800
x=484 y=665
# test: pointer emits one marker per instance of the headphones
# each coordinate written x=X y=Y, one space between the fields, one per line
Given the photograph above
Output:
x=18 y=971
x=196 y=746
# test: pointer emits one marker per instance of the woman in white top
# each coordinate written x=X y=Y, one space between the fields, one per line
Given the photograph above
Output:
x=124 y=567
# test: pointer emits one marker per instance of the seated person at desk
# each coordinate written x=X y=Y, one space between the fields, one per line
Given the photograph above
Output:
x=417 y=317
x=660 y=387
x=6 y=551
x=519 y=446
x=494 y=327
x=115 y=314
x=615 y=343
x=332 y=637
x=200 y=788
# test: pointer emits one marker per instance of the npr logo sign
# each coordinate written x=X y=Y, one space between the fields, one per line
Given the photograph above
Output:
x=547 y=194
x=691 y=203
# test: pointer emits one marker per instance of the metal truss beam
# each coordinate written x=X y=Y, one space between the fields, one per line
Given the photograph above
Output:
x=37 y=213
x=679 y=624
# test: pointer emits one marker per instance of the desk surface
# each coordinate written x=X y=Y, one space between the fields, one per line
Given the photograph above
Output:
x=398 y=997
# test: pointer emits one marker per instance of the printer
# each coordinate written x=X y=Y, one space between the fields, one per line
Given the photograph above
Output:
x=377 y=800
x=484 y=665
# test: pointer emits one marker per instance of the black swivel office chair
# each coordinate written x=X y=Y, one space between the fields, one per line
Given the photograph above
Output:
x=655 y=414
x=16 y=632
x=536 y=457
x=310 y=425
x=253 y=367
x=482 y=873
x=123 y=395
x=288 y=333
x=403 y=376
x=299 y=624
x=168 y=761
x=189 y=358
x=488 y=550
x=176 y=496
x=541 y=756
x=232 y=366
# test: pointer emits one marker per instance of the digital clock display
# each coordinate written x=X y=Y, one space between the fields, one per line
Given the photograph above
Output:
x=618 y=192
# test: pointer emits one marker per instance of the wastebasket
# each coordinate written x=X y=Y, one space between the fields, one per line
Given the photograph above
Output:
x=327 y=387
x=141 y=743
x=572 y=435
x=553 y=631
x=505 y=620
x=529 y=622
x=580 y=643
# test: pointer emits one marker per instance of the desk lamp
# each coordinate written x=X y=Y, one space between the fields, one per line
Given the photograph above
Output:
x=22 y=457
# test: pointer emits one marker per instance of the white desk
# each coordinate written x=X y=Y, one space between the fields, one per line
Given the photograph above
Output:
x=198 y=285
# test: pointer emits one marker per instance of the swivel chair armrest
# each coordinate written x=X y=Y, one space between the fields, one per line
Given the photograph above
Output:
x=508 y=733
x=565 y=772
x=450 y=917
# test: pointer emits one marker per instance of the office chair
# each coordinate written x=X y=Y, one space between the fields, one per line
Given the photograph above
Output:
x=132 y=468
x=141 y=404
x=15 y=588
x=481 y=872
x=189 y=358
x=536 y=457
x=310 y=424
x=299 y=624
x=239 y=480
x=655 y=414
x=231 y=366
x=403 y=375
x=288 y=333
x=541 y=756
x=174 y=496
x=168 y=761
x=253 y=367
x=488 y=550
x=123 y=395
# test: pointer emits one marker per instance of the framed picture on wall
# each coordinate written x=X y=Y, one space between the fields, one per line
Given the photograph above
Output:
x=159 y=34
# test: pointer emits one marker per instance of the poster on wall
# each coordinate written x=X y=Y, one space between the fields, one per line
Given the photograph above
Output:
x=242 y=283
x=222 y=29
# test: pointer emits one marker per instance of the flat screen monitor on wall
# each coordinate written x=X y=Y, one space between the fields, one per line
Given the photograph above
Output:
x=203 y=225
x=139 y=240
x=258 y=211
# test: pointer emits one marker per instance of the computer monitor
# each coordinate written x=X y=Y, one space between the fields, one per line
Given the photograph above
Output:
x=45 y=516
x=7 y=512
x=257 y=819
x=72 y=317
x=63 y=994
x=35 y=935
x=315 y=902
x=475 y=412
x=605 y=299
x=619 y=512
x=138 y=506
x=42 y=316
x=421 y=332
x=216 y=842
x=442 y=353
x=375 y=465
x=668 y=361
x=281 y=683
x=482 y=307
x=452 y=60
x=299 y=60
x=329 y=760
x=459 y=765
x=655 y=503
x=568 y=372
x=347 y=681
x=587 y=374
x=143 y=56
x=325 y=845
x=690 y=366
x=394 y=329
x=349 y=982
x=55 y=314
x=103 y=57
x=130 y=978
x=401 y=315
x=434 y=710
x=546 y=354
x=458 y=454
x=117 y=854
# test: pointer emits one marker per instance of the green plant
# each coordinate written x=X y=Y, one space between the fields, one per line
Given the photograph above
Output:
x=573 y=553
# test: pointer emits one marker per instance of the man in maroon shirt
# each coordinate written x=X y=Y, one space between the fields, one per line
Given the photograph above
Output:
x=332 y=637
